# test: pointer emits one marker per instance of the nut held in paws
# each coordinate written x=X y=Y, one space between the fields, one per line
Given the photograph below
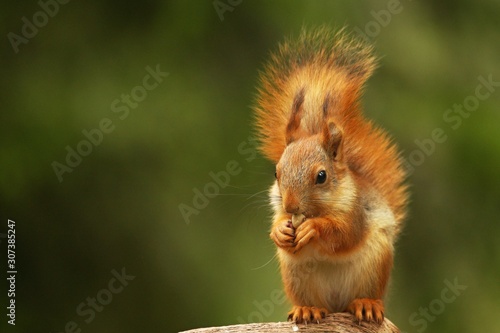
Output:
x=297 y=219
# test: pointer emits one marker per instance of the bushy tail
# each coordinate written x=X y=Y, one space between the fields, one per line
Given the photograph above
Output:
x=319 y=56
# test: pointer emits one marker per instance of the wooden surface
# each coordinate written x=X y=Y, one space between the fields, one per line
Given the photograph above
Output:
x=337 y=322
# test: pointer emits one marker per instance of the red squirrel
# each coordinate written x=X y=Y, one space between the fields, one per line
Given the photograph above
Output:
x=339 y=197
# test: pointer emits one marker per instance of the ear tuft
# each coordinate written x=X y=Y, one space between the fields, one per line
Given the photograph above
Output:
x=332 y=140
x=293 y=127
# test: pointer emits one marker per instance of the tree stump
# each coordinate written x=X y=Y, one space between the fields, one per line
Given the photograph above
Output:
x=334 y=323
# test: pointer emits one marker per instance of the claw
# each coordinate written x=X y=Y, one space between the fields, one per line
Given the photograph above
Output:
x=307 y=314
x=367 y=309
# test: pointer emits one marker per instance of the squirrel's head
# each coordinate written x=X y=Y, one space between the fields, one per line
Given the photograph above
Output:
x=311 y=173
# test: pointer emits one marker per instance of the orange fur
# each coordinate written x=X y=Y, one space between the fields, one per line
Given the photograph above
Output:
x=334 y=167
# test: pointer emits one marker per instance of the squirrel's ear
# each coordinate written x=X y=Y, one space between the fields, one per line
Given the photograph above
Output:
x=332 y=140
x=293 y=128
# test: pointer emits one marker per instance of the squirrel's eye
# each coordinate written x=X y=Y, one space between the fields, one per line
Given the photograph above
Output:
x=321 y=178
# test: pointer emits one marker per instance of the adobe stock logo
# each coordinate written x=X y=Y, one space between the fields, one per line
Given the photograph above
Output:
x=119 y=106
x=437 y=306
x=30 y=29
x=264 y=308
x=453 y=117
x=89 y=308
x=219 y=180
x=382 y=19
x=223 y=6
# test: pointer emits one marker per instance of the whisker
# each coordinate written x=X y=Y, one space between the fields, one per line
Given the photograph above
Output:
x=263 y=191
x=267 y=263
x=256 y=202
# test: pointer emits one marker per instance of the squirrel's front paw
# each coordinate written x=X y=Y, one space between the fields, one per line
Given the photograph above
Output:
x=304 y=234
x=283 y=235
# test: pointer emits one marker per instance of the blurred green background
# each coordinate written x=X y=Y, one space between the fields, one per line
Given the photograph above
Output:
x=119 y=207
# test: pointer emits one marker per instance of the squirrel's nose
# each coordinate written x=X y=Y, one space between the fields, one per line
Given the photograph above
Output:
x=291 y=204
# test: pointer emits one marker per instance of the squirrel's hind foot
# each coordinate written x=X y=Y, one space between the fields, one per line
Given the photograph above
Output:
x=367 y=309
x=306 y=314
